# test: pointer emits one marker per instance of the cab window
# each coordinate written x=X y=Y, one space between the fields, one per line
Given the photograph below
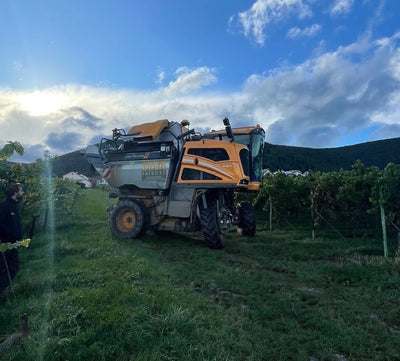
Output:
x=194 y=174
x=214 y=154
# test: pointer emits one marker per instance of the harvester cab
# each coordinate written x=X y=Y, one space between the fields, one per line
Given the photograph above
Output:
x=167 y=177
x=253 y=138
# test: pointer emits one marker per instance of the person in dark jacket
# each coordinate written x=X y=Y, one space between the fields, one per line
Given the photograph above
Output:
x=10 y=232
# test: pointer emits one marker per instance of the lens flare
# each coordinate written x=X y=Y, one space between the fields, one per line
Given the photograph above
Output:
x=41 y=103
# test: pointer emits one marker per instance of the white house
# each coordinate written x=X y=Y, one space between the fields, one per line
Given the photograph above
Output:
x=78 y=178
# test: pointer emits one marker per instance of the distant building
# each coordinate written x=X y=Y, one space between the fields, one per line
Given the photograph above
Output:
x=78 y=179
x=286 y=172
x=294 y=172
x=266 y=171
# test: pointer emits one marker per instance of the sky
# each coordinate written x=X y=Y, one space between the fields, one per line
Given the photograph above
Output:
x=312 y=73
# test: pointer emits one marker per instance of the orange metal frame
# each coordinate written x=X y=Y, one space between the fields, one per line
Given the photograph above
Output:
x=229 y=171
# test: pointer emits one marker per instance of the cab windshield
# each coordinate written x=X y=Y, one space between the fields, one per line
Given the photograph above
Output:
x=255 y=143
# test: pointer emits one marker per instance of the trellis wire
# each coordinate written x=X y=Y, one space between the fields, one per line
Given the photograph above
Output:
x=330 y=225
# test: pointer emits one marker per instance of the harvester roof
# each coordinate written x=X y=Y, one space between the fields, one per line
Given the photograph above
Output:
x=236 y=131
x=149 y=130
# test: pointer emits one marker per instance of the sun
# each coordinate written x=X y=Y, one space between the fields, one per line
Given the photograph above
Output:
x=42 y=103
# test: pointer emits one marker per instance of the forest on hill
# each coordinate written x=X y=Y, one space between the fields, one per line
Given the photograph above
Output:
x=378 y=153
x=72 y=162
x=278 y=157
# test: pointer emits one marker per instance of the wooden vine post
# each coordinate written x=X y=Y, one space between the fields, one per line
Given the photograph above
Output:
x=385 y=251
x=270 y=213
x=383 y=221
x=313 y=223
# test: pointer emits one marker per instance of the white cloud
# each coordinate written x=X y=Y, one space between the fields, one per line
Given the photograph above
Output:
x=310 y=31
x=191 y=79
x=311 y=104
x=264 y=12
x=160 y=77
x=341 y=7
x=30 y=117
x=331 y=94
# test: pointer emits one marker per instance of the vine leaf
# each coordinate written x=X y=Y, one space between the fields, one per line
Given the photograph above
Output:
x=7 y=246
x=9 y=149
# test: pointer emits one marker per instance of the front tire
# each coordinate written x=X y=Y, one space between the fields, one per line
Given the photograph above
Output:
x=126 y=219
x=247 y=219
x=210 y=228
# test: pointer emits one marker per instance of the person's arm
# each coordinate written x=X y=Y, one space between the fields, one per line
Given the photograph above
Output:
x=4 y=223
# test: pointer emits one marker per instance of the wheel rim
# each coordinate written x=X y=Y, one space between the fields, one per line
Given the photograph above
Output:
x=126 y=220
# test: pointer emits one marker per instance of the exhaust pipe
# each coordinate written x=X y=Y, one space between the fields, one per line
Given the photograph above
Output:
x=228 y=129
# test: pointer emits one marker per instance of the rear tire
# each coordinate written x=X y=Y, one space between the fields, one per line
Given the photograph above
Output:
x=126 y=219
x=247 y=219
x=210 y=228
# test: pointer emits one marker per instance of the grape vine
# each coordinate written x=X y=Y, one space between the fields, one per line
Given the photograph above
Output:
x=35 y=179
x=350 y=198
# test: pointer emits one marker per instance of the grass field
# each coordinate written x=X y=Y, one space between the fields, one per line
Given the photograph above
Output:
x=278 y=296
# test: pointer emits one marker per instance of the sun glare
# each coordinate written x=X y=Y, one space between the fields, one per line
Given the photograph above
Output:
x=42 y=103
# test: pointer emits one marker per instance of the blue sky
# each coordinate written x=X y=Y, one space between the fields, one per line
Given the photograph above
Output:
x=312 y=73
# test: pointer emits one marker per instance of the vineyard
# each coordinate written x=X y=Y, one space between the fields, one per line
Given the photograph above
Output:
x=351 y=203
x=364 y=200
x=42 y=191
x=313 y=284
x=45 y=195
x=277 y=296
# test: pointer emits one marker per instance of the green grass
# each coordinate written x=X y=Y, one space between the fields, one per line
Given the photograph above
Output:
x=278 y=296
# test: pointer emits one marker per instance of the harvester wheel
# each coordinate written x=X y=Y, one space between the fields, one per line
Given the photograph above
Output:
x=247 y=219
x=126 y=219
x=210 y=228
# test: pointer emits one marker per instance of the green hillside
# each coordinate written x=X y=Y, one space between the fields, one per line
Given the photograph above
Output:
x=72 y=162
x=378 y=153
